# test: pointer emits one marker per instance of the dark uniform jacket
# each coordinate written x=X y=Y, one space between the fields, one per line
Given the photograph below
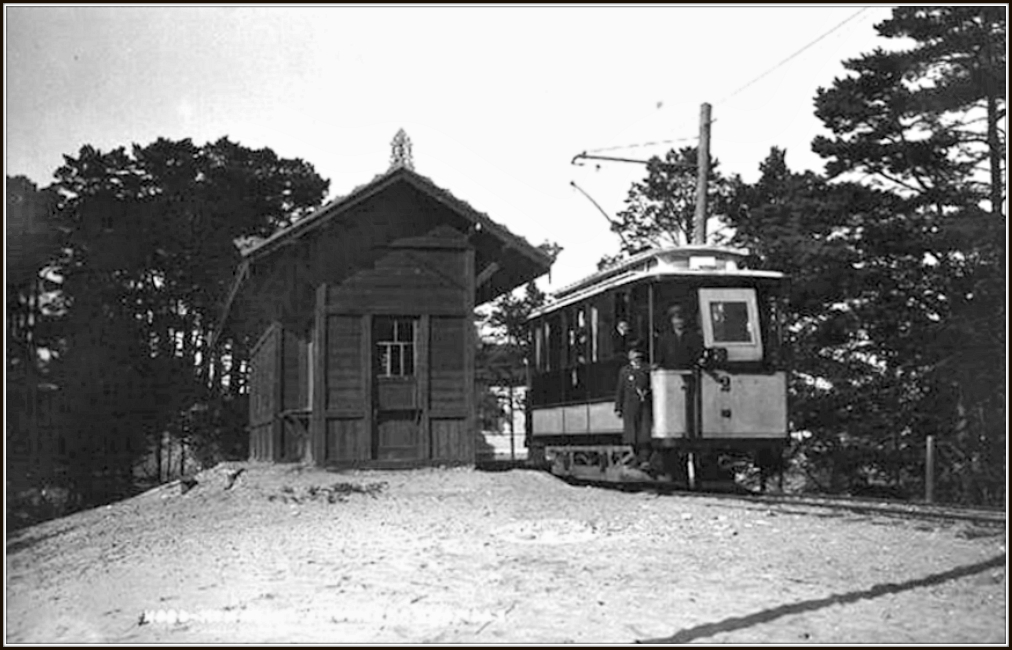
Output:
x=676 y=352
x=633 y=403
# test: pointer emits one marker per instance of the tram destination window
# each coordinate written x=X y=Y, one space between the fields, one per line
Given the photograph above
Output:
x=395 y=346
x=731 y=321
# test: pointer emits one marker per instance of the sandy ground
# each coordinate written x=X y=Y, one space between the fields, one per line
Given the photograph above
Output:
x=463 y=556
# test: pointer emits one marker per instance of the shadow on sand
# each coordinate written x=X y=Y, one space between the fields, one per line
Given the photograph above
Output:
x=767 y=615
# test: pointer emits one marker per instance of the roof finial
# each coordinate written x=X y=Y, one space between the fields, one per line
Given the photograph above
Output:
x=400 y=151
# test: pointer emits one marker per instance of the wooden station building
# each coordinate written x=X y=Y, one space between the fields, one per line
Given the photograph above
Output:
x=363 y=312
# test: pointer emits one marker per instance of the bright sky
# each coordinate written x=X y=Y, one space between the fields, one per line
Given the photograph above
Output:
x=496 y=100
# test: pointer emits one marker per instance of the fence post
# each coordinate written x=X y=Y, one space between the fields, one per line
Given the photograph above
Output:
x=929 y=469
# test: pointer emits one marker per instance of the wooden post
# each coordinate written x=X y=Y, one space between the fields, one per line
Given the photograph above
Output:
x=277 y=425
x=369 y=411
x=467 y=454
x=318 y=420
x=929 y=469
x=513 y=449
x=702 y=174
x=423 y=370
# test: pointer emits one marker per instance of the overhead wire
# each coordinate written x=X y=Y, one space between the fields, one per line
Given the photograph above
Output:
x=740 y=89
x=792 y=56
x=643 y=144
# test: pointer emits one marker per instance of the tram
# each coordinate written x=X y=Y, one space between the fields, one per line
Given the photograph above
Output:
x=728 y=405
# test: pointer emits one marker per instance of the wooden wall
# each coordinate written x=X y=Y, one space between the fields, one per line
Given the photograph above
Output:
x=367 y=419
x=279 y=395
x=399 y=254
x=263 y=396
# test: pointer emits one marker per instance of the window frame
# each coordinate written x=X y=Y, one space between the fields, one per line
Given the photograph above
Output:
x=382 y=348
x=736 y=350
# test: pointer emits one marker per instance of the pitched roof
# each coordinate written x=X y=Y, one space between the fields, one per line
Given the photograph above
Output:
x=337 y=206
x=533 y=261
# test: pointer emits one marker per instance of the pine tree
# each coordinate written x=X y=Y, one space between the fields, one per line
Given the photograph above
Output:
x=147 y=257
x=925 y=123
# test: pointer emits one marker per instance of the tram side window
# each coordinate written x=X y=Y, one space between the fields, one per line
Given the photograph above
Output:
x=578 y=337
x=539 y=346
x=606 y=329
x=639 y=314
x=553 y=341
x=623 y=332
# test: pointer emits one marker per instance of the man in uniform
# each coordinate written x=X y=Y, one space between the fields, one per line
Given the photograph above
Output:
x=680 y=347
x=633 y=404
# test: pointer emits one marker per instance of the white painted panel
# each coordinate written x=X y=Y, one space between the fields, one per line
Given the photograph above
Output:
x=546 y=421
x=669 y=391
x=574 y=419
x=744 y=406
x=603 y=418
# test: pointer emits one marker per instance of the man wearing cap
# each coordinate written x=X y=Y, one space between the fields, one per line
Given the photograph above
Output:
x=633 y=403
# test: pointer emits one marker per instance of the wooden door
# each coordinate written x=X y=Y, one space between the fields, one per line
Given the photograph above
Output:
x=397 y=435
x=396 y=401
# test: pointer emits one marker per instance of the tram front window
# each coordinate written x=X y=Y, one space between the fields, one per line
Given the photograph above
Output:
x=730 y=322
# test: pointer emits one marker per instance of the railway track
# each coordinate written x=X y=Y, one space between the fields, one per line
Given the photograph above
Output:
x=861 y=505
x=991 y=517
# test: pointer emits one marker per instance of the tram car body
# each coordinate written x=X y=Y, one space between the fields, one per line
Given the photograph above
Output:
x=729 y=405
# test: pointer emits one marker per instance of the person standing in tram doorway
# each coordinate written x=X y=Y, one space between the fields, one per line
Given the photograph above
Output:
x=680 y=347
x=634 y=405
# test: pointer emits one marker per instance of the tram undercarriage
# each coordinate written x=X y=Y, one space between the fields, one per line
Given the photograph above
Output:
x=687 y=467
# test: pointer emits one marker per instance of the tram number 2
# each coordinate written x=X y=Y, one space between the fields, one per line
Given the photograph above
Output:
x=725 y=383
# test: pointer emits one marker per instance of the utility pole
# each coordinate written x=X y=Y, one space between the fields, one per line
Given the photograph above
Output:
x=702 y=176
x=702 y=173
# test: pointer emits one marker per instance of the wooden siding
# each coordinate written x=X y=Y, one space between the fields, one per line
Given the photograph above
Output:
x=260 y=441
x=451 y=438
x=295 y=371
x=347 y=440
x=397 y=436
x=263 y=402
x=405 y=282
x=396 y=394
x=425 y=271
x=345 y=381
x=294 y=437
x=446 y=379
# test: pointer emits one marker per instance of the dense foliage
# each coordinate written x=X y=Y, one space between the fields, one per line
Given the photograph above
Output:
x=146 y=250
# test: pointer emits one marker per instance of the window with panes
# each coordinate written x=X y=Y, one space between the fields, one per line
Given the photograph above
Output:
x=395 y=346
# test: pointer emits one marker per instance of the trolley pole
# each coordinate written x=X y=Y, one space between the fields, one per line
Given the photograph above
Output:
x=702 y=174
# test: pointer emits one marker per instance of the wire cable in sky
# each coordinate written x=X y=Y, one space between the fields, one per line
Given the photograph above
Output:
x=643 y=144
x=838 y=26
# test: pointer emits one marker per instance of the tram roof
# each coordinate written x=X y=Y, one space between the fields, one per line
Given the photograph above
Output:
x=680 y=261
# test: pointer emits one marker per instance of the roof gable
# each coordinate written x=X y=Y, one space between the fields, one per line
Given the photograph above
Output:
x=503 y=260
x=334 y=209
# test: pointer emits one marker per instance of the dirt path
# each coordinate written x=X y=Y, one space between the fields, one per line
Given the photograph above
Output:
x=461 y=556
